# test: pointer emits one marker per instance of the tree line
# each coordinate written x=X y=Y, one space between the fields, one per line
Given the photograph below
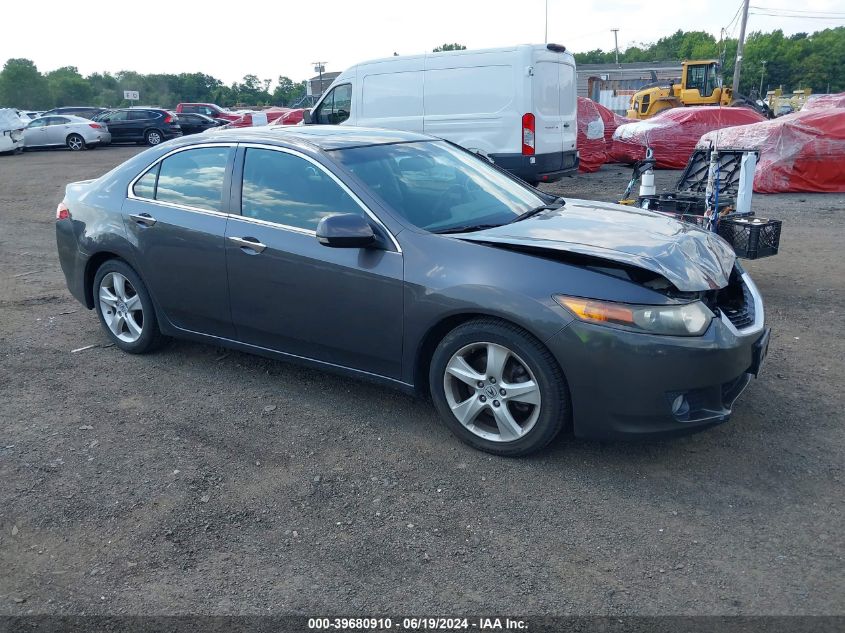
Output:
x=815 y=61
x=23 y=86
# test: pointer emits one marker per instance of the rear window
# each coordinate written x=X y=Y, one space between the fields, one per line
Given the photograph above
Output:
x=193 y=178
x=140 y=115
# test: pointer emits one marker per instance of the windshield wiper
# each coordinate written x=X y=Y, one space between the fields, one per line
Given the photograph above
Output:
x=466 y=229
x=557 y=204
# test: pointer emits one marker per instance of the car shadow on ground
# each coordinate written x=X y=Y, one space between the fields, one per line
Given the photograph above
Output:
x=398 y=414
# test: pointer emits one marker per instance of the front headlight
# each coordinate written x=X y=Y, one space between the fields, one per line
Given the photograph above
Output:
x=687 y=319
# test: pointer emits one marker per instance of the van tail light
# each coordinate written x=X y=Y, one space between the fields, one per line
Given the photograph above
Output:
x=527 y=134
x=62 y=212
x=96 y=126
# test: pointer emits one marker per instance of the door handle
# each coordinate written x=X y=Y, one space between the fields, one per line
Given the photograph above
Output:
x=249 y=242
x=143 y=218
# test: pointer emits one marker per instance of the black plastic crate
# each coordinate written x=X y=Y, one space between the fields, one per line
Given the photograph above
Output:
x=683 y=203
x=751 y=238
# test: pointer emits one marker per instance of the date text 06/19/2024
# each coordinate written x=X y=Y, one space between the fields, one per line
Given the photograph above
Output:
x=417 y=624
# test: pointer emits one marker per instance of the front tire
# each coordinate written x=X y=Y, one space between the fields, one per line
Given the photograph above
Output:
x=125 y=308
x=498 y=388
x=75 y=143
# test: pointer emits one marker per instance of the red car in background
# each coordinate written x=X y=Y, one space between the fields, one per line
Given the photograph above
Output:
x=208 y=109
x=275 y=116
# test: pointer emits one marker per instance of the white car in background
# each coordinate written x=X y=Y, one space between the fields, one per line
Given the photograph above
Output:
x=69 y=131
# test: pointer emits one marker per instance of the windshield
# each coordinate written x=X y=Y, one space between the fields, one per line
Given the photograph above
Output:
x=438 y=187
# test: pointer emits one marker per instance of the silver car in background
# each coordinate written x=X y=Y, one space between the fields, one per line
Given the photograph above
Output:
x=69 y=131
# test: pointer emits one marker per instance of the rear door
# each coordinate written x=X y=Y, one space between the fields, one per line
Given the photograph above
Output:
x=176 y=214
x=57 y=130
x=568 y=105
x=548 y=130
x=139 y=122
x=471 y=99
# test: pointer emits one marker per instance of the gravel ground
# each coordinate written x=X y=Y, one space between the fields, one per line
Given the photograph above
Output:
x=200 y=480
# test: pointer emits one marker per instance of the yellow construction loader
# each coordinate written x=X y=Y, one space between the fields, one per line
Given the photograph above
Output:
x=700 y=84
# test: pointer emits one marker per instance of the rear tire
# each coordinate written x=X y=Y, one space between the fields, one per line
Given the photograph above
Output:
x=125 y=308
x=498 y=388
x=75 y=142
x=153 y=137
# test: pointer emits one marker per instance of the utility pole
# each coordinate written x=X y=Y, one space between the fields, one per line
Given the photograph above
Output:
x=319 y=67
x=547 y=22
x=762 y=72
x=616 y=43
x=739 y=46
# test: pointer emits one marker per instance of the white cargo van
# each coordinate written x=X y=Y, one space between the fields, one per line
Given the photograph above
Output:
x=515 y=105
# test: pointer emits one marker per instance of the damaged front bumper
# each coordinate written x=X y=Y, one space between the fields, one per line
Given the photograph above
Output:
x=626 y=384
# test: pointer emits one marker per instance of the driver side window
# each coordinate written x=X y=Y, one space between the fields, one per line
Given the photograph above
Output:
x=114 y=115
x=336 y=107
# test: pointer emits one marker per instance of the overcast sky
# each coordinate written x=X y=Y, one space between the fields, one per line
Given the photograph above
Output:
x=230 y=39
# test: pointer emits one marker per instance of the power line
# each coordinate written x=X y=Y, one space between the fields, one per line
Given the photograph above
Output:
x=832 y=13
x=733 y=20
x=802 y=17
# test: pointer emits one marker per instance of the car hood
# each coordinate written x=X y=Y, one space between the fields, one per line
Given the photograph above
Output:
x=691 y=258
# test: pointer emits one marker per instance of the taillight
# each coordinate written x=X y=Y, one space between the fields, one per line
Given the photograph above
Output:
x=527 y=134
x=62 y=212
x=168 y=119
x=96 y=126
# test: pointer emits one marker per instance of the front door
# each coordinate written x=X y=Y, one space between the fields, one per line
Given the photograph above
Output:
x=35 y=134
x=118 y=124
x=176 y=217
x=288 y=292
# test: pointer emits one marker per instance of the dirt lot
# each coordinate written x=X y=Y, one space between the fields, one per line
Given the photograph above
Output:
x=197 y=480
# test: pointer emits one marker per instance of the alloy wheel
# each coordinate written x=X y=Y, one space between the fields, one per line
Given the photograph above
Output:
x=153 y=138
x=492 y=392
x=121 y=307
x=75 y=143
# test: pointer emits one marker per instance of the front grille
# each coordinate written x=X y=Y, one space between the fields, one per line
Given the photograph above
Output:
x=735 y=301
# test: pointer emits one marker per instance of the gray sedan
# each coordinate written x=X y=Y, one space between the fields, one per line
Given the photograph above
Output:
x=400 y=258
x=69 y=131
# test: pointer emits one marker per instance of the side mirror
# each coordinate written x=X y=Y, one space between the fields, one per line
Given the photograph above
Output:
x=306 y=117
x=345 y=230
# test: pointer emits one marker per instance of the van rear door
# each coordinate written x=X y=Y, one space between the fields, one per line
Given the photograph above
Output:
x=568 y=105
x=548 y=123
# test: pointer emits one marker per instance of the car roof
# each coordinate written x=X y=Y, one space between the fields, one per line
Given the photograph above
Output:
x=324 y=137
x=70 y=117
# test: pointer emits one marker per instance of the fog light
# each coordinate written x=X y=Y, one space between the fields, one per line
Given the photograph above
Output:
x=680 y=406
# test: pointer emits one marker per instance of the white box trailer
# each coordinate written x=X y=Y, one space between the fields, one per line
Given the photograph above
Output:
x=515 y=105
